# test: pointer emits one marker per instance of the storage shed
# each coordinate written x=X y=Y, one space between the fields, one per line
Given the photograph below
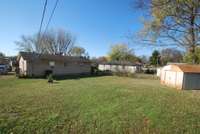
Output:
x=181 y=76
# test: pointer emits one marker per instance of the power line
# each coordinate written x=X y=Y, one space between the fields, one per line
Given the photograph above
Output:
x=51 y=16
x=43 y=14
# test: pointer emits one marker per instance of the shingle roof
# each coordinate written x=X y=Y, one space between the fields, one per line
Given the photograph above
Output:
x=35 y=56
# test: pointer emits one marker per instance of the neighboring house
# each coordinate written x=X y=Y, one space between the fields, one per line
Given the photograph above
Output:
x=158 y=71
x=3 y=69
x=181 y=76
x=4 y=61
x=120 y=67
x=5 y=64
x=33 y=64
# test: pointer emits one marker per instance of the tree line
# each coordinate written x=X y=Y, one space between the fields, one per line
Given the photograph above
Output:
x=123 y=53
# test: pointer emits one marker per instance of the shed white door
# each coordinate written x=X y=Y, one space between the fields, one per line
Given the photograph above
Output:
x=170 y=78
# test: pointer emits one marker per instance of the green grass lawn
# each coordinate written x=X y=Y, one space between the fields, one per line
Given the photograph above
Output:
x=96 y=105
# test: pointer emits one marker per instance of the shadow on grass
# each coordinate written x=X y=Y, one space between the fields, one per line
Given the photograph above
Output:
x=69 y=77
x=8 y=74
x=77 y=77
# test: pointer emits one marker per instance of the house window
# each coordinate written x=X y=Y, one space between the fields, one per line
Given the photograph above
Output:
x=51 y=63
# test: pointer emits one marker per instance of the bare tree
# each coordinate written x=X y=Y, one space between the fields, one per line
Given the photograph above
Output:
x=57 y=42
x=171 y=55
x=27 y=44
x=65 y=42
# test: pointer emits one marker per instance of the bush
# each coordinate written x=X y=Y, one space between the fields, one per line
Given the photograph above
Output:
x=124 y=74
x=94 y=70
x=50 y=78
x=150 y=71
x=48 y=72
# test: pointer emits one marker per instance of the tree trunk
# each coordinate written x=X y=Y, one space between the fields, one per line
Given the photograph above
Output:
x=192 y=34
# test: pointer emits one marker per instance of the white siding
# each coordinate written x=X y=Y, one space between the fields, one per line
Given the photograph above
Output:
x=22 y=66
x=119 y=68
x=172 y=78
x=179 y=80
x=158 y=72
x=101 y=67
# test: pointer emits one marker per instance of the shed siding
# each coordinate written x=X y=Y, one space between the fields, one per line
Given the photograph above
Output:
x=172 y=78
x=191 y=81
x=179 y=80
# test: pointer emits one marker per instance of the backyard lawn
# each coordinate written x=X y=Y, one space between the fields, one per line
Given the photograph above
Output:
x=108 y=104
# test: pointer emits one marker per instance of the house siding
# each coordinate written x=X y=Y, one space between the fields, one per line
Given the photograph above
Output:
x=38 y=68
x=119 y=68
x=60 y=69
x=22 y=66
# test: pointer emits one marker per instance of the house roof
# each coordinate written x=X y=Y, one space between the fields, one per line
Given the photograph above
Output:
x=35 y=56
x=124 y=63
x=187 y=68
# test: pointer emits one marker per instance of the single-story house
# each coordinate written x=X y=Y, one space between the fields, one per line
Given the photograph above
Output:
x=181 y=76
x=33 y=64
x=120 y=67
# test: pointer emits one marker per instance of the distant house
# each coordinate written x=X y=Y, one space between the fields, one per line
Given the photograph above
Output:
x=120 y=67
x=4 y=65
x=4 y=60
x=33 y=64
x=3 y=69
x=181 y=76
x=158 y=71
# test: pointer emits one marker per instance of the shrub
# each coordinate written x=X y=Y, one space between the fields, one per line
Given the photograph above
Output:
x=150 y=71
x=47 y=73
x=94 y=70
x=50 y=78
x=124 y=74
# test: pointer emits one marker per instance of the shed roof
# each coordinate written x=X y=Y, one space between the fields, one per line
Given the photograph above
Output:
x=187 y=68
x=35 y=56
